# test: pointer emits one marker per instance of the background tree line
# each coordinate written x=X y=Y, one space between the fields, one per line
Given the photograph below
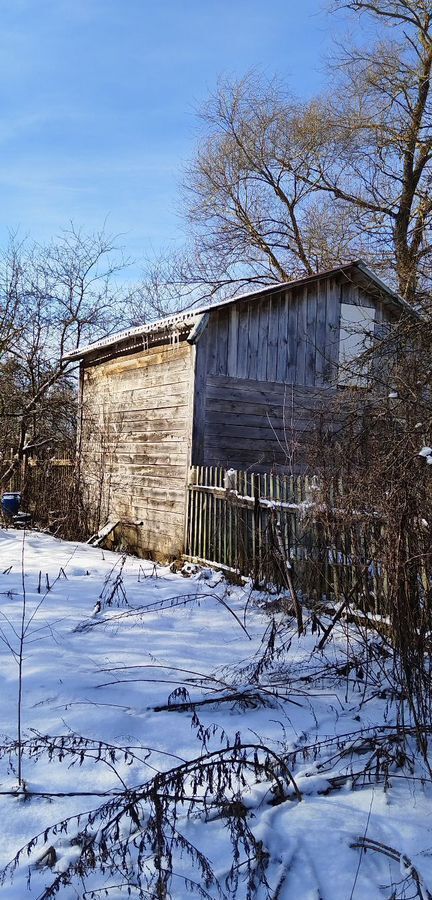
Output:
x=52 y=298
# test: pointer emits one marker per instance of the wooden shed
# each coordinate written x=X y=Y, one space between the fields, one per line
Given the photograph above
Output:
x=220 y=386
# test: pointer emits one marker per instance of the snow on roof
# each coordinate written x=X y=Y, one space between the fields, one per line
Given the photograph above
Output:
x=190 y=317
x=169 y=323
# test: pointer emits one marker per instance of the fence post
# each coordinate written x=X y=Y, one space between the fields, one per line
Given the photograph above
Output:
x=229 y=513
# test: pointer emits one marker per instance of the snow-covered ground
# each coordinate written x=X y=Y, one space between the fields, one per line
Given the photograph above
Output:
x=110 y=644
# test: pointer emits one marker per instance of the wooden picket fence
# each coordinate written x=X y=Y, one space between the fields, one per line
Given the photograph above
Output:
x=234 y=519
x=249 y=524
x=47 y=487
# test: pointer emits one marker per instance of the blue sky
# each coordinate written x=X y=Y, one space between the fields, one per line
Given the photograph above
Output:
x=99 y=98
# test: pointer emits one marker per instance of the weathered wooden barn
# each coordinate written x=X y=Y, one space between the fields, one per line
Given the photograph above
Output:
x=241 y=384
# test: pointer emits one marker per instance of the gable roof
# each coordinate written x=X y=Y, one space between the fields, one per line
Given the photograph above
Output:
x=188 y=318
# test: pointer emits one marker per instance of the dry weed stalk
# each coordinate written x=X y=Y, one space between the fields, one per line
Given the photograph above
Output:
x=375 y=507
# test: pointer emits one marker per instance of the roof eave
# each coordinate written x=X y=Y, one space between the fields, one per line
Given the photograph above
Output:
x=389 y=293
x=170 y=324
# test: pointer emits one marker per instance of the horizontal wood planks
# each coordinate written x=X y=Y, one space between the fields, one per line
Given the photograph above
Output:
x=264 y=424
x=136 y=444
x=263 y=376
x=271 y=367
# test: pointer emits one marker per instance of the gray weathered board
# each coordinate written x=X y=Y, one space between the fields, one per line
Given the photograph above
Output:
x=136 y=444
x=265 y=378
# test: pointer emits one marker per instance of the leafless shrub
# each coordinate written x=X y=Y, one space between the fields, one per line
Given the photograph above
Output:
x=375 y=508
x=137 y=833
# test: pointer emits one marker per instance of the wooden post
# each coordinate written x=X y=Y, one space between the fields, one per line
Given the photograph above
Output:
x=286 y=564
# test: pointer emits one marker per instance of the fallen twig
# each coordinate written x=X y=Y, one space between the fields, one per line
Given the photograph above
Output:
x=365 y=843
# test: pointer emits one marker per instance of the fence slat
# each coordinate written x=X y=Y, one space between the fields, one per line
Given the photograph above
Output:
x=47 y=488
x=231 y=524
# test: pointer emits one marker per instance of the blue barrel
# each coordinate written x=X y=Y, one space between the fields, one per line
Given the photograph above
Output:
x=11 y=503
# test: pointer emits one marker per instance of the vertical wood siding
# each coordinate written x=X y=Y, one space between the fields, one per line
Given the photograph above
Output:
x=264 y=377
x=286 y=337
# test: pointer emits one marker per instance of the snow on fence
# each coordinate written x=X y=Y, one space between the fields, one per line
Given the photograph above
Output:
x=261 y=524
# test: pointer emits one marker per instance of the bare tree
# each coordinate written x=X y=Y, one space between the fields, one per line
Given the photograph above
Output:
x=389 y=113
x=250 y=183
x=378 y=467
x=12 y=297
x=65 y=294
x=281 y=188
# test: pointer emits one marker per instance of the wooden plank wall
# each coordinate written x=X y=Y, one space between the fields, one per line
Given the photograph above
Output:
x=136 y=445
x=265 y=370
x=263 y=425
x=289 y=337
